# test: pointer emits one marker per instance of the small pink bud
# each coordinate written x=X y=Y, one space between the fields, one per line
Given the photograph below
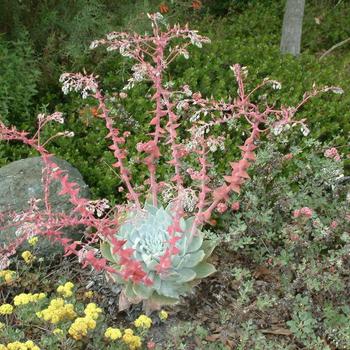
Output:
x=306 y=212
x=139 y=147
x=221 y=208
x=288 y=156
x=151 y=345
x=185 y=106
x=333 y=154
x=294 y=237
x=296 y=213
x=235 y=206
x=334 y=224
x=197 y=96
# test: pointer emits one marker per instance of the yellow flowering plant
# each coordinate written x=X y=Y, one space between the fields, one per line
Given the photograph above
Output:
x=66 y=290
x=7 y=276
x=66 y=311
x=33 y=241
x=163 y=315
x=113 y=333
x=28 y=257
x=6 y=309
x=143 y=322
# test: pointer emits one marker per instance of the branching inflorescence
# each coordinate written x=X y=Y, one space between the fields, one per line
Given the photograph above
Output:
x=153 y=54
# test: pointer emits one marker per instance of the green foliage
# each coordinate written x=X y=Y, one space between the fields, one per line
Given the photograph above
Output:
x=309 y=253
x=337 y=325
x=18 y=79
x=321 y=31
x=303 y=324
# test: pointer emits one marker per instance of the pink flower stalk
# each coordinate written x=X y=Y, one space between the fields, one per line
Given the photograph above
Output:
x=333 y=154
x=152 y=54
x=48 y=223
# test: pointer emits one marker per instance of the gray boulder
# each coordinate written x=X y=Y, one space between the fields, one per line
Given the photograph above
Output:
x=21 y=180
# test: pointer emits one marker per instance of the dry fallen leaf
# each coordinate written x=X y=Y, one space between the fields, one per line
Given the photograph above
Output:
x=213 y=337
x=265 y=274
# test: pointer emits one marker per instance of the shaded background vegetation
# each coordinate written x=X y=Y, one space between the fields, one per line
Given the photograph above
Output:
x=40 y=40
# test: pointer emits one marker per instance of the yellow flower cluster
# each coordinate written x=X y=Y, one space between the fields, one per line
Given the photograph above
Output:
x=57 y=331
x=7 y=275
x=82 y=325
x=28 y=345
x=66 y=289
x=113 y=333
x=26 y=298
x=89 y=294
x=133 y=341
x=143 y=322
x=6 y=309
x=91 y=310
x=57 y=311
x=163 y=315
x=33 y=241
x=28 y=257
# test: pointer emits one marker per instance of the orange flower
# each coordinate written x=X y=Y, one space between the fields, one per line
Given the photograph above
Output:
x=196 y=4
x=94 y=111
x=212 y=222
x=163 y=8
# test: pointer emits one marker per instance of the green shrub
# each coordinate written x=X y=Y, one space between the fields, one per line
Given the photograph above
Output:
x=19 y=76
x=308 y=254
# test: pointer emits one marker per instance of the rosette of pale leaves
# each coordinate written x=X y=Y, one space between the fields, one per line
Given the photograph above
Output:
x=146 y=233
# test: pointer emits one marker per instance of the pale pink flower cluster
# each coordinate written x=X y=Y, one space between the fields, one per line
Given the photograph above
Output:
x=99 y=207
x=332 y=153
x=85 y=84
x=56 y=117
x=305 y=211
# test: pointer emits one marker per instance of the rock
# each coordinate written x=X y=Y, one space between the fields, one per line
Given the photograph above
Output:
x=21 y=180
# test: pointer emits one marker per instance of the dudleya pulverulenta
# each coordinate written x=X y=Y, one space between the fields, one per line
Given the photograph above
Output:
x=146 y=232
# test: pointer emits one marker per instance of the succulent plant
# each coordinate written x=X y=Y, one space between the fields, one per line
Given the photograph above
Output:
x=146 y=232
